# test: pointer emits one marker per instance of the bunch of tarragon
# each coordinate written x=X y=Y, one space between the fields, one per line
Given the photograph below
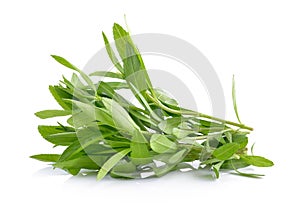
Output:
x=107 y=134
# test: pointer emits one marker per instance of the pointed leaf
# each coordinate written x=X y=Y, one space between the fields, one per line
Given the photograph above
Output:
x=46 y=157
x=234 y=100
x=111 y=162
x=161 y=144
x=226 y=151
x=107 y=74
x=52 y=113
x=67 y=64
x=111 y=54
x=257 y=161
x=120 y=116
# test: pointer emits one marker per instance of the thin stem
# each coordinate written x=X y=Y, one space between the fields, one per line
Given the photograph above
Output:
x=197 y=114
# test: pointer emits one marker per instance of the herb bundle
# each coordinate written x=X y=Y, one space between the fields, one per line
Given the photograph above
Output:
x=107 y=134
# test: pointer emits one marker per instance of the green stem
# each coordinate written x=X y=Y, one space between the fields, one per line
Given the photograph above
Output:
x=197 y=114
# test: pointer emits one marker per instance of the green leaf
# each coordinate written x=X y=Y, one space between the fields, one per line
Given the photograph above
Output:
x=226 y=151
x=107 y=74
x=228 y=136
x=161 y=144
x=178 y=156
x=216 y=168
x=63 y=139
x=58 y=135
x=139 y=147
x=257 y=161
x=46 y=157
x=59 y=94
x=83 y=162
x=45 y=131
x=67 y=64
x=111 y=54
x=121 y=37
x=120 y=116
x=117 y=85
x=111 y=162
x=93 y=112
x=124 y=169
x=132 y=70
x=169 y=124
x=234 y=100
x=241 y=139
x=234 y=163
x=165 y=98
x=251 y=175
x=179 y=133
x=52 y=113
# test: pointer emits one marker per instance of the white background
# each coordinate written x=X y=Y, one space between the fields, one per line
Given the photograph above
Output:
x=258 y=41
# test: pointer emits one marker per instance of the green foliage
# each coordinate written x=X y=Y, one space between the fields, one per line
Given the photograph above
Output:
x=110 y=135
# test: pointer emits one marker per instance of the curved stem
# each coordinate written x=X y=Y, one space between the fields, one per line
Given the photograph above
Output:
x=197 y=114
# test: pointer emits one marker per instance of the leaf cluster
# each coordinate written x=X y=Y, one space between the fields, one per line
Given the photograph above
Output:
x=106 y=133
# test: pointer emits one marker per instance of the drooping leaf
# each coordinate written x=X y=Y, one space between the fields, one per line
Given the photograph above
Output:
x=111 y=162
x=216 y=168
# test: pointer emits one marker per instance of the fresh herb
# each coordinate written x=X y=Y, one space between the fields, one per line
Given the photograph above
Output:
x=108 y=134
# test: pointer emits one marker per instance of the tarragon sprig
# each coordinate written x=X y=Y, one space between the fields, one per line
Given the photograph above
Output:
x=107 y=134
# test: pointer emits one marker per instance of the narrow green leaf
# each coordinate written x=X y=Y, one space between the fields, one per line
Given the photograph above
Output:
x=178 y=156
x=120 y=37
x=52 y=113
x=111 y=54
x=234 y=100
x=228 y=136
x=251 y=175
x=216 y=168
x=45 y=131
x=257 y=161
x=59 y=94
x=83 y=162
x=161 y=144
x=107 y=74
x=67 y=64
x=46 y=157
x=120 y=116
x=165 y=98
x=234 y=163
x=139 y=146
x=226 y=151
x=241 y=139
x=62 y=139
x=124 y=169
x=111 y=162
x=93 y=112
